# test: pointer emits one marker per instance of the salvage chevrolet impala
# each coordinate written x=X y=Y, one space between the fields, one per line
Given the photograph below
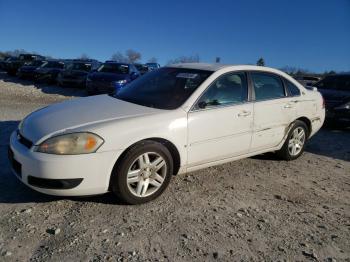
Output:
x=170 y=121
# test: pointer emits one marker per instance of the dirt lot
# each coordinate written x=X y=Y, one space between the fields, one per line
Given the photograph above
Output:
x=250 y=210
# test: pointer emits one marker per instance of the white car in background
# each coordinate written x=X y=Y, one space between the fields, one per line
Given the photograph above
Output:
x=174 y=120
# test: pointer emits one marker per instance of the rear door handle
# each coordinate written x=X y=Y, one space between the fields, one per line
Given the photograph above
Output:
x=288 y=106
x=244 y=113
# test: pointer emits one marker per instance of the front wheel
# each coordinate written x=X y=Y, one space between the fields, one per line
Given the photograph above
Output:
x=143 y=173
x=294 y=145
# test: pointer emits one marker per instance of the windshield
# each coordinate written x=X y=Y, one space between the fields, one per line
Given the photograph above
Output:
x=26 y=57
x=153 y=65
x=166 y=88
x=114 y=68
x=79 y=66
x=340 y=82
x=141 y=67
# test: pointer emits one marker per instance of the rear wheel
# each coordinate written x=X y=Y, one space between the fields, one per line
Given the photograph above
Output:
x=294 y=145
x=143 y=174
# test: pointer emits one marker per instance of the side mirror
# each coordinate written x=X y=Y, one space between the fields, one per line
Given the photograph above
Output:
x=202 y=105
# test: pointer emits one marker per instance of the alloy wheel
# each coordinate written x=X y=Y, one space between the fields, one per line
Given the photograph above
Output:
x=296 y=141
x=146 y=174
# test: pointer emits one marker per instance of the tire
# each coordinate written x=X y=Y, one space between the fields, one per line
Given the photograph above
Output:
x=292 y=147
x=130 y=176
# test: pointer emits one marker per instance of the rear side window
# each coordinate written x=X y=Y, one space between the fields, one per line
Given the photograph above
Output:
x=293 y=89
x=267 y=86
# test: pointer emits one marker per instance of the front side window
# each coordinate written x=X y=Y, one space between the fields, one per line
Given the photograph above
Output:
x=267 y=86
x=293 y=89
x=228 y=89
x=166 y=88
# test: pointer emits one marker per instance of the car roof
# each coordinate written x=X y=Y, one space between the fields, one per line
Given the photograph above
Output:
x=216 y=67
x=117 y=63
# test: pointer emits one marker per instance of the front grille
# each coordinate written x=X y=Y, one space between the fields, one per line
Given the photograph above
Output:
x=24 y=141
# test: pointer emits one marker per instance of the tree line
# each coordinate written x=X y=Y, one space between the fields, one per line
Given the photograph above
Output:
x=133 y=56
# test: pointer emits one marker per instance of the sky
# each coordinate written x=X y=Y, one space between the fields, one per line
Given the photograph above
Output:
x=308 y=34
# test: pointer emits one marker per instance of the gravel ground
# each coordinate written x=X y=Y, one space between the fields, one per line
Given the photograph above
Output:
x=254 y=209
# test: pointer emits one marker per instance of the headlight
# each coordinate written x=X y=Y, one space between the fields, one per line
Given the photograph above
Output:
x=344 y=106
x=120 y=82
x=71 y=144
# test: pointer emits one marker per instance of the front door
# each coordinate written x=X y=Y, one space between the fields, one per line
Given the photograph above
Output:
x=220 y=124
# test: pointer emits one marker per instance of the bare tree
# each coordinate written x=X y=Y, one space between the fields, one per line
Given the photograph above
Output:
x=292 y=70
x=16 y=52
x=153 y=60
x=132 y=55
x=185 y=59
x=119 y=57
x=84 y=56
x=260 y=62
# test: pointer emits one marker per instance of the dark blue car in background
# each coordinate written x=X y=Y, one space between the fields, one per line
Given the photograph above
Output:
x=48 y=71
x=110 y=77
x=76 y=72
x=28 y=70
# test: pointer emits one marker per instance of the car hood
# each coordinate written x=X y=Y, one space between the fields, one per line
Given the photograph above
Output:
x=335 y=97
x=74 y=114
x=107 y=77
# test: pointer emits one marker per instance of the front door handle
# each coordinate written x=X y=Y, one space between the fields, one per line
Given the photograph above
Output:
x=244 y=113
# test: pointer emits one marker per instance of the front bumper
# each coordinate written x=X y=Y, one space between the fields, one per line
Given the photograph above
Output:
x=62 y=175
x=103 y=87
x=71 y=82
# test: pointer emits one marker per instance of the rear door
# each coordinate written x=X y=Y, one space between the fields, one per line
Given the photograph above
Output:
x=274 y=110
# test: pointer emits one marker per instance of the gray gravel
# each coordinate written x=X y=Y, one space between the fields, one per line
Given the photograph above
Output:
x=249 y=210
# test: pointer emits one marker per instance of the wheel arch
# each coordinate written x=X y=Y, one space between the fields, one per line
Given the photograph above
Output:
x=168 y=144
x=307 y=121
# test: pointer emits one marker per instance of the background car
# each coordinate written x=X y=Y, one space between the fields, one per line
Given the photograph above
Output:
x=13 y=65
x=152 y=66
x=48 y=71
x=307 y=80
x=76 y=71
x=27 y=71
x=143 y=69
x=335 y=90
x=4 y=60
x=110 y=77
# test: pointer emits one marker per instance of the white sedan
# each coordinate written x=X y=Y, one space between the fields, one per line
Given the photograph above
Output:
x=173 y=120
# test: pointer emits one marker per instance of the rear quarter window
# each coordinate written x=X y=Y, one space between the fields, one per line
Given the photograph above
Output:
x=292 y=89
